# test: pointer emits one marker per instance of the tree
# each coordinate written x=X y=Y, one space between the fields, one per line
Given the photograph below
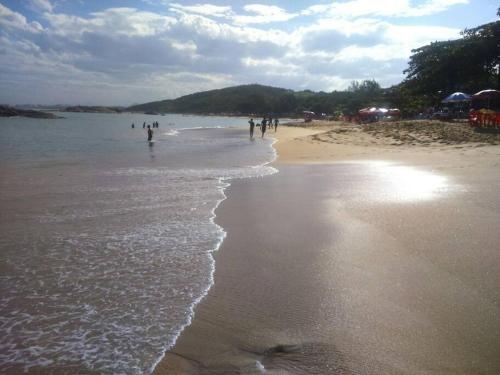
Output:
x=366 y=87
x=466 y=64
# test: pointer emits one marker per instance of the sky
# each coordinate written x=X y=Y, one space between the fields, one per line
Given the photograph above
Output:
x=122 y=52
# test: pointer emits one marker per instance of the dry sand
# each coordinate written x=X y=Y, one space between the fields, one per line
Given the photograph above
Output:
x=416 y=142
x=373 y=251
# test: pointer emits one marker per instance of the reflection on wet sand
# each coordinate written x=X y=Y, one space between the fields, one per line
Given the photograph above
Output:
x=357 y=268
x=401 y=183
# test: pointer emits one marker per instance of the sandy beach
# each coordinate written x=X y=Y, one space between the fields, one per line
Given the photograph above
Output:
x=374 y=250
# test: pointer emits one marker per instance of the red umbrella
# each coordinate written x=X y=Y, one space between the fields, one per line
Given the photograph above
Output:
x=487 y=94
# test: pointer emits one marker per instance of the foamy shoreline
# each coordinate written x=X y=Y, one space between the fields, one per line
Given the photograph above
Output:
x=224 y=182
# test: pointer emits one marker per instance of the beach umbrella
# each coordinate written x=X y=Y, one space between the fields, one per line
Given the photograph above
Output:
x=369 y=111
x=487 y=94
x=457 y=97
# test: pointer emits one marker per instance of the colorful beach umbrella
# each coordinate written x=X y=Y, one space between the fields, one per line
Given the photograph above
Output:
x=457 y=97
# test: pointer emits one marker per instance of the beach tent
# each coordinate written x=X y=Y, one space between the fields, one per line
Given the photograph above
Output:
x=308 y=115
x=372 y=114
x=368 y=111
x=374 y=111
x=457 y=97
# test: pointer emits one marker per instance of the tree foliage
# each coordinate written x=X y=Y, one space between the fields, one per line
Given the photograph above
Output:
x=468 y=64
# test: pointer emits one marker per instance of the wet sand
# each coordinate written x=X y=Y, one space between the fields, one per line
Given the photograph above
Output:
x=339 y=264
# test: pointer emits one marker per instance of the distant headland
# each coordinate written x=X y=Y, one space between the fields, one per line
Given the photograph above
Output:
x=7 y=111
x=93 y=109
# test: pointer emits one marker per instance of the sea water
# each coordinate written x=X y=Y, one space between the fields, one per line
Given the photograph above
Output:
x=106 y=239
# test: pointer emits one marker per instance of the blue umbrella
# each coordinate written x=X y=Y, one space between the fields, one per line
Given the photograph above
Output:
x=457 y=97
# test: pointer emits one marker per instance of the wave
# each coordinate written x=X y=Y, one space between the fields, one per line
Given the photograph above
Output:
x=224 y=184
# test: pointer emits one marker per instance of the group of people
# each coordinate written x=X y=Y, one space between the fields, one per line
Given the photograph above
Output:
x=263 y=125
x=156 y=124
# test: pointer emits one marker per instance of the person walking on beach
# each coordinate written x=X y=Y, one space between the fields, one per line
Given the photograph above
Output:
x=150 y=134
x=133 y=125
x=276 y=122
x=252 y=126
x=263 y=127
x=144 y=124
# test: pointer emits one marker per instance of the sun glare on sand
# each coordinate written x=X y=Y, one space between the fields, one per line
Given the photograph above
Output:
x=405 y=184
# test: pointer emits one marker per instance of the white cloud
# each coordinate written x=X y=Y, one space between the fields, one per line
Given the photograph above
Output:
x=263 y=14
x=13 y=20
x=366 y=38
x=113 y=21
x=42 y=5
x=256 y=13
x=416 y=36
x=199 y=26
x=383 y=8
x=203 y=9
x=270 y=66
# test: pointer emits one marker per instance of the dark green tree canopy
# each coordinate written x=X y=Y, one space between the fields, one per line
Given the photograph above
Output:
x=467 y=64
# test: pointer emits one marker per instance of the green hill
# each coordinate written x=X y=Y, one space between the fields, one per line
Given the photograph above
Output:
x=244 y=99
x=262 y=100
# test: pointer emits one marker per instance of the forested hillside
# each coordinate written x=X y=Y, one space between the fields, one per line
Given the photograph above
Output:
x=239 y=99
x=259 y=99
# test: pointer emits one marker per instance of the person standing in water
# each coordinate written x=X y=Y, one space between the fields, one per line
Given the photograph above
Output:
x=263 y=127
x=133 y=125
x=276 y=122
x=144 y=124
x=252 y=126
x=150 y=134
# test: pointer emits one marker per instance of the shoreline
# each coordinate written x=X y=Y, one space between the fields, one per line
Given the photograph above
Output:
x=225 y=183
x=192 y=307
x=230 y=334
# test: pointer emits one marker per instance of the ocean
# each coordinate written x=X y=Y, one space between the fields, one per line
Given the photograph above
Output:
x=106 y=240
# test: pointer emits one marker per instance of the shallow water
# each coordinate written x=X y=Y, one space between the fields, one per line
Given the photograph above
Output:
x=106 y=239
